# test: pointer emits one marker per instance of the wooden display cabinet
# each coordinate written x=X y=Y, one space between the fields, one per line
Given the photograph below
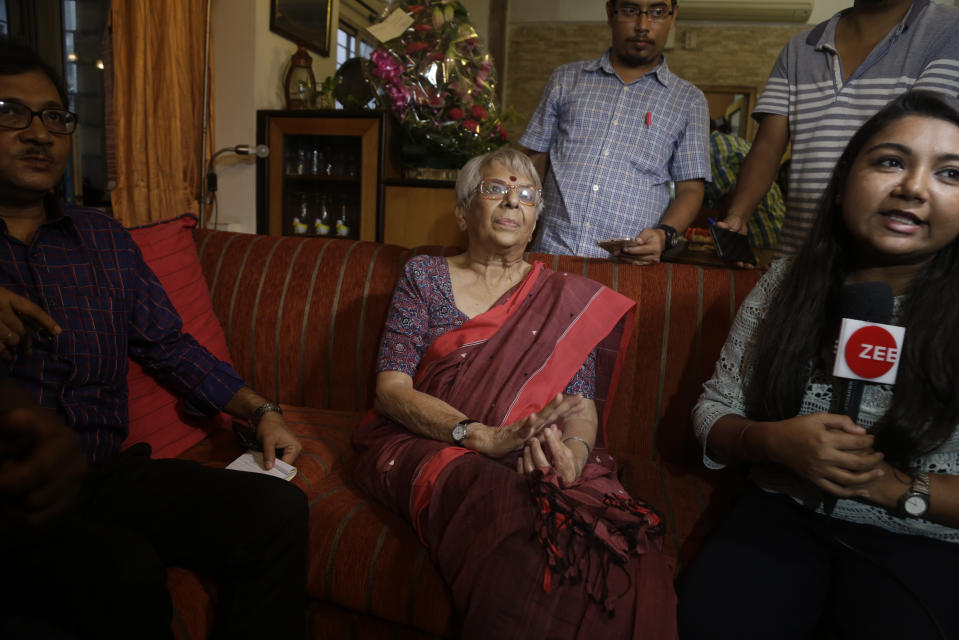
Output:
x=421 y=214
x=324 y=174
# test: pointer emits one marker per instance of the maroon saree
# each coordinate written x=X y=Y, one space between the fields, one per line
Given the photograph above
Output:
x=526 y=557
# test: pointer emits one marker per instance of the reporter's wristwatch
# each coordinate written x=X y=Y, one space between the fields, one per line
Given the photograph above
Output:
x=914 y=503
x=461 y=430
x=672 y=236
x=262 y=410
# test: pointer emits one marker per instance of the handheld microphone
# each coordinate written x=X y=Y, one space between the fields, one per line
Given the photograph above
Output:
x=868 y=347
x=865 y=308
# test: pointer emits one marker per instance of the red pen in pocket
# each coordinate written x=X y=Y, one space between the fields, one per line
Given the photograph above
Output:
x=649 y=119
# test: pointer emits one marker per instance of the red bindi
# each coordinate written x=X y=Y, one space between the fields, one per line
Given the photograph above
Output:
x=512 y=178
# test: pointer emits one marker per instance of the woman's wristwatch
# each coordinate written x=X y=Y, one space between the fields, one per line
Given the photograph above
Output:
x=914 y=503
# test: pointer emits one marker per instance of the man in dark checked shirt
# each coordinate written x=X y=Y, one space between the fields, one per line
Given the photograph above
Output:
x=76 y=300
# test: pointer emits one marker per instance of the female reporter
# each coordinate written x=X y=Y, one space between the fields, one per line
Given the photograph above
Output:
x=823 y=546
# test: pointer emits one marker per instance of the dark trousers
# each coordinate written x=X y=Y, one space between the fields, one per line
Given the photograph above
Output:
x=101 y=573
x=776 y=570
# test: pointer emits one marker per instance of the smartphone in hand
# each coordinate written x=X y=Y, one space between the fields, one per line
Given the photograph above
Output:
x=732 y=246
x=615 y=245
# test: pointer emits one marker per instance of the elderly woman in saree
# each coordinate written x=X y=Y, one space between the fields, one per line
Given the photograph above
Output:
x=494 y=380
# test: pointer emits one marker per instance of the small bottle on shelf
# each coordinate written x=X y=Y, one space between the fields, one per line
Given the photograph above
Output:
x=300 y=221
x=322 y=223
x=300 y=166
x=318 y=163
x=342 y=229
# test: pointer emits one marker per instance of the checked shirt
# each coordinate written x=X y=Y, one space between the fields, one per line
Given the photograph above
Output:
x=84 y=269
x=613 y=150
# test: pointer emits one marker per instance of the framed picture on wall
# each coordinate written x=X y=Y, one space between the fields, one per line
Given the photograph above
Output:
x=304 y=22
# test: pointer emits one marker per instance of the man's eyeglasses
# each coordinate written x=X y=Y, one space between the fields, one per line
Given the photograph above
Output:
x=631 y=13
x=14 y=115
x=496 y=190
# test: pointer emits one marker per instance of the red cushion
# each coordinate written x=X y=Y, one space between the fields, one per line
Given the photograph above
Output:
x=156 y=415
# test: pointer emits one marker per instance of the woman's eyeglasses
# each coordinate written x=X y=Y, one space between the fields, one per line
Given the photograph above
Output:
x=496 y=190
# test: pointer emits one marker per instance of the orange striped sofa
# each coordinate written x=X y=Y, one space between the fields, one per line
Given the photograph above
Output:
x=303 y=318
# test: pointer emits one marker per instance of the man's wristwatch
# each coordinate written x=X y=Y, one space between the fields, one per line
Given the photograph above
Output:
x=262 y=410
x=461 y=430
x=672 y=236
x=914 y=503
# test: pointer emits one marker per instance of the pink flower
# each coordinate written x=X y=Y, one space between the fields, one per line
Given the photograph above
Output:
x=398 y=95
x=386 y=64
x=457 y=114
x=479 y=112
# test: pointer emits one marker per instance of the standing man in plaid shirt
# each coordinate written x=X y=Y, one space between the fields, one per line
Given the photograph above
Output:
x=609 y=136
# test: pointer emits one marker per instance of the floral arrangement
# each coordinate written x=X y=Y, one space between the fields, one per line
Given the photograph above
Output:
x=438 y=79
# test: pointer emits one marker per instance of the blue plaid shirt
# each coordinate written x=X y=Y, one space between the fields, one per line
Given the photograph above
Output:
x=85 y=271
x=613 y=149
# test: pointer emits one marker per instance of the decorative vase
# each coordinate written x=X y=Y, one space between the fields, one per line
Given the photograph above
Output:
x=300 y=83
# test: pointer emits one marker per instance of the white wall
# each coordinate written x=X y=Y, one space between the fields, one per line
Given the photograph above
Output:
x=248 y=65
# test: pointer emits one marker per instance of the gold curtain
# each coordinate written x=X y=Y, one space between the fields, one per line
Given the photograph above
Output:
x=157 y=103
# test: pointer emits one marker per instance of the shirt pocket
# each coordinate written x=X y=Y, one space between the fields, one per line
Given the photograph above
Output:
x=650 y=152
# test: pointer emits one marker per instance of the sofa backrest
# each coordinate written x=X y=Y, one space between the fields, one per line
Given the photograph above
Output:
x=303 y=319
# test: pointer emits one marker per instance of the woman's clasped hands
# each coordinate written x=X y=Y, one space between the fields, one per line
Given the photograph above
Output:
x=499 y=441
x=829 y=450
x=567 y=459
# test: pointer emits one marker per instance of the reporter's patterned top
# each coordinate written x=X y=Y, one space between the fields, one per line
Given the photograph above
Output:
x=723 y=394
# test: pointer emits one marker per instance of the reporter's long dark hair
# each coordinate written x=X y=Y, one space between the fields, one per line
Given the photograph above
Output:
x=801 y=321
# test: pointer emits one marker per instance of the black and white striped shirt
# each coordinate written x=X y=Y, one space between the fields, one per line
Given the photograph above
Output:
x=806 y=85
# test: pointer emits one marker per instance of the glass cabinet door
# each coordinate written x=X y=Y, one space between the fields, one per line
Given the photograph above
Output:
x=323 y=175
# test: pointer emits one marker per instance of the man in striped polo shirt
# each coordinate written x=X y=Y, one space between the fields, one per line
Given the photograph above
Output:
x=825 y=84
